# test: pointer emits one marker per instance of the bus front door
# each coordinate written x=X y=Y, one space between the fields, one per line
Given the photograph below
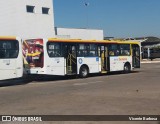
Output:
x=104 y=58
x=136 y=56
x=71 y=59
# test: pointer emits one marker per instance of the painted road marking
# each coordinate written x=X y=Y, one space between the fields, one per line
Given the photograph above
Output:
x=81 y=84
x=148 y=62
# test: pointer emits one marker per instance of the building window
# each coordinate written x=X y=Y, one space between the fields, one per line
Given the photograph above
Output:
x=45 y=10
x=30 y=9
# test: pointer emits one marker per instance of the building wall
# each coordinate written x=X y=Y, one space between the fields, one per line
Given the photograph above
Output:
x=15 y=21
x=85 y=34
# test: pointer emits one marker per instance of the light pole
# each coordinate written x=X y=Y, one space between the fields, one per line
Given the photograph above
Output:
x=86 y=4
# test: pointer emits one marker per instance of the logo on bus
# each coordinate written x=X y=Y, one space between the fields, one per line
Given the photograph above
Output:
x=80 y=61
x=122 y=59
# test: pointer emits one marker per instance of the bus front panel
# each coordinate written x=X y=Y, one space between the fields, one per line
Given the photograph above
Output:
x=10 y=59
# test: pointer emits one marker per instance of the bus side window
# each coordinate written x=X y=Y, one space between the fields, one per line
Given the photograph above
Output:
x=7 y=54
x=92 y=50
x=13 y=53
x=82 y=50
x=113 y=50
x=51 y=54
x=64 y=50
x=117 y=52
x=2 y=54
x=85 y=53
x=80 y=53
x=111 y=53
x=124 y=49
x=54 y=49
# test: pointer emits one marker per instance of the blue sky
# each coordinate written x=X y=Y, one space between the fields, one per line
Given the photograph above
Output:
x=118 y=18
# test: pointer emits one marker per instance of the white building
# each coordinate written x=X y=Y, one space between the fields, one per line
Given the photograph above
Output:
x=35 y=19
x=27 y=18
x=85 y=34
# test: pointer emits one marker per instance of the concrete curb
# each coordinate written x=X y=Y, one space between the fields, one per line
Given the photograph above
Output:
x=145 y=62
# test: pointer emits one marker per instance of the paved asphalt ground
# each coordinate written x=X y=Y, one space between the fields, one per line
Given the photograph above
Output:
x=136 y=93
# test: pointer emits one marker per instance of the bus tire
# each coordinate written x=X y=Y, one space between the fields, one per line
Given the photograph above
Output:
x=83 y=73
x=127 y=68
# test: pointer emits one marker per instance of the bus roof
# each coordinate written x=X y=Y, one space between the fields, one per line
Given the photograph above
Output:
x=7 y=38
x=93 y=41
x=79 y=41
x=129 y=42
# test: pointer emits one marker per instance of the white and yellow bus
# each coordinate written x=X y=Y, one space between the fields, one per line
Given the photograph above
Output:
x=11 y=62
x=79 y=57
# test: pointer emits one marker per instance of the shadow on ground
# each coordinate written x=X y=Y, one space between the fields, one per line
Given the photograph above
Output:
x=14 y=82
x=49 y=79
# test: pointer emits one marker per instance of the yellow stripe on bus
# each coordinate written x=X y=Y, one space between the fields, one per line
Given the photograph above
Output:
x=93 y=41
x=7 y=38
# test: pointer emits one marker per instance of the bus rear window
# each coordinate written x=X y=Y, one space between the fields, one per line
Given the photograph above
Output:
x=9 y=49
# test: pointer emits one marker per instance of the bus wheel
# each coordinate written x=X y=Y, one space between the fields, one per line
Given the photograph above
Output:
x=83 y=72
x=127 y=68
